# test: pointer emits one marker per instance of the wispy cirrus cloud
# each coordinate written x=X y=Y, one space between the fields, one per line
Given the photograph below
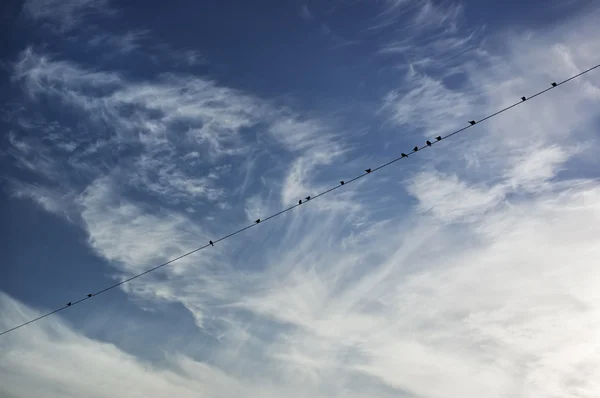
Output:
x=467 y=260
x=426 y=34
x=65 y=16
x=167 y=139
x=122 y=44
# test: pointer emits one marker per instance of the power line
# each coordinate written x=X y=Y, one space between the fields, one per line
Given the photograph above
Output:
x=428 y=144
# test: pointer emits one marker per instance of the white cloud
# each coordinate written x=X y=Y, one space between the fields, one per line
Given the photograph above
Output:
x=121 y=44
x=54 y=361
x=306 y=14
x=104 y=214
x=428 y=35
x=450 y=199
x=429 y=105
x=173 y=119
x=65 y=15
x=537 y=167
x=420 y=304
x=174 y=133
x=50 y=200
x=488 y=306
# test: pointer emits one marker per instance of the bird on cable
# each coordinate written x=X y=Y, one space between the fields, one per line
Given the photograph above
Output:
x=90 y=295
x=368 y=170
x=403 y=155
x=307 y=198
x=415 y=149
x=69 y=304
x=342 y=182
x=257 y=221
x=211 y=242
x=554 y=84
x=523 y=98
x=439 y=138
x=428 y=143
x=472 y=122
x=300 y=202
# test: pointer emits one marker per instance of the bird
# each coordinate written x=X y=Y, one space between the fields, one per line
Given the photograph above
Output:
x=554 y=84
x=90 y=295
x=300 y=202
x=69 y=304
x=428 y=143
x=368 y=170
x=415 y=149
x=523 y=98
x=342 y=183
x=211 y=242
x=257 y=221
x=307 y=198
x=472 y=122
x=439 y=138
x=403 y=155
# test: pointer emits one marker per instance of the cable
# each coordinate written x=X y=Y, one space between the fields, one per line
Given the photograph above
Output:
x=300 y=203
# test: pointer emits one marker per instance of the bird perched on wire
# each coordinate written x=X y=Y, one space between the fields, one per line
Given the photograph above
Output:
x=403 y=155
x=90 y=295
x=523 y=98
x=472 y=122
x=439 y=138
x=211 y=242
x=554 y=84
x=428 y=143
x=257 y=221
x=415 y=149
x=368 y=170
x=300 y=202
x=69 y=304
x=342 y=182
x=307 y=198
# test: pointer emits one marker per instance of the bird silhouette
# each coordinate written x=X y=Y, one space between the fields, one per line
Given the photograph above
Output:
x=428 y=143
x=368 y=170
x=342 y=183
x=69 y=304
x=554 y=84
x=439 y=138
x=211 y=242
x=472 y=122
x=300 y=202
x=90 y=295
x=403 y=155
x=415 y=149
x=257 y=221
x=523 y=98
x=307 y=198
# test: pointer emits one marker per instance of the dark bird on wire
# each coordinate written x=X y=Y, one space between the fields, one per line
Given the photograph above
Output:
x=341 y=182
x=403 y=155
x=472 y=122
x=415 y=149
x=300 y=202
x=211 y=242
x=257 y=221
x=439 y=138
x=428 y=143
x=307 y=198
x=523 y=98
x=69 y=304
x=368 y=170
x=554 y=84
x=90 y=295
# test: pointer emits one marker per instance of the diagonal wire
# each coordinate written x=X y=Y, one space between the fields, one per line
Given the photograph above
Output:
x=367 y=172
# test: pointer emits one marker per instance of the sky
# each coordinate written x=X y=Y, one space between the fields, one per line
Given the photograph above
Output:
x=131 y=134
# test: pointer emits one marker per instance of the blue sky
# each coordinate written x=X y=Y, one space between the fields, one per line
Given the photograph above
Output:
x=132 y=134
